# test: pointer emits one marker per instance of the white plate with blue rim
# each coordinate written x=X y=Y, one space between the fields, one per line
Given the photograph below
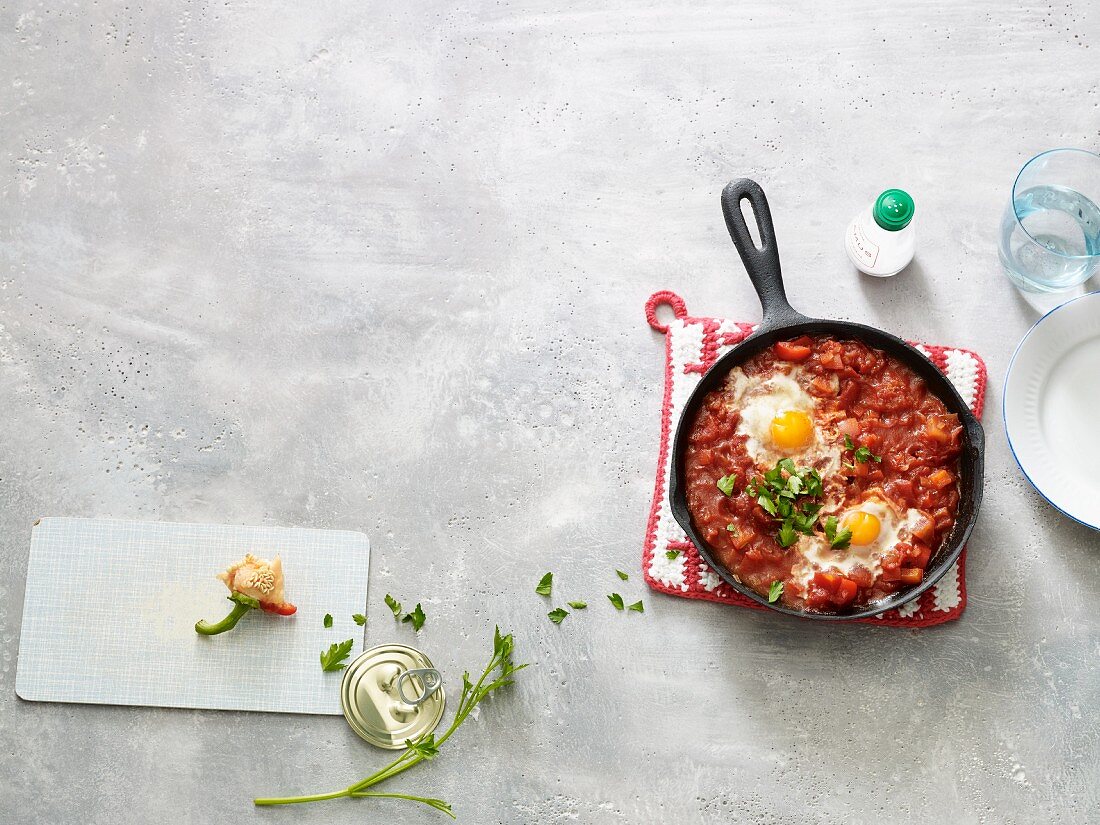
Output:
x=1052 y=407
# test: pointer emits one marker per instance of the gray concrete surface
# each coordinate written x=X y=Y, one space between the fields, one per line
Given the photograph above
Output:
x=381 y=266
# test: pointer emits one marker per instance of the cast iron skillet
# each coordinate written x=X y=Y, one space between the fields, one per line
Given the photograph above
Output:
x=781 y=322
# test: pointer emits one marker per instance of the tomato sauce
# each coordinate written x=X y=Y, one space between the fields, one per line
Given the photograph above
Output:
x=878 y=403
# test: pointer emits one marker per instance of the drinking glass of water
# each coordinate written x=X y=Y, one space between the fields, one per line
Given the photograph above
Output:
x=1050 y=233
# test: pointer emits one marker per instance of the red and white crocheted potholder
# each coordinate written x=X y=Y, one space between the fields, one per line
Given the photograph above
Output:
x=692 y=345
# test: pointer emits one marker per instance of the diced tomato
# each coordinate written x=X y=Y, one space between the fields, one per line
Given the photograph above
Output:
x=828 y=581
x=911 y=575
x=704 y=457
x=863 y=577
x=824 y=386
x=849 y=427
x=742 y=537
x=920 y=554
x=790 y=351
x=845 y=592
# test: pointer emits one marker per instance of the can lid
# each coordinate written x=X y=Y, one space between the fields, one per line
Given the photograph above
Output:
x=383 y=704
x=894 y=209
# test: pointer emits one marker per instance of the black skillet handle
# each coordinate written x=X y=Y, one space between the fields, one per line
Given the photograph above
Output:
x=761 y=262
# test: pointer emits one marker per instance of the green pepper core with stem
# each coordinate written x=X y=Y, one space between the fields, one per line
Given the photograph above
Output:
x=241 y=605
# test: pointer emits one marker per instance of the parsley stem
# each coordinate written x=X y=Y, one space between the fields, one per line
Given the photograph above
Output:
x=438 y=804
x=290 y=800
x=471 y=696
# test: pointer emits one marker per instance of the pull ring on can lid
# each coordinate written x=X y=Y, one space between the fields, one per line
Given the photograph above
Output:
x=378 y=704
x=430 y=678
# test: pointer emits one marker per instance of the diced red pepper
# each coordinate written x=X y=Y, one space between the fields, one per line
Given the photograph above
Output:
x=911 y=575
x=790 y=351
x=283 y=609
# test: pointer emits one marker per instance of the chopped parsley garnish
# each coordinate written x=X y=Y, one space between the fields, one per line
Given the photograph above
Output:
x=786 y=494
x=725 y=483
x=359 y=619
x=616 y=600
x=417 y=617
x=578 y=605
x=731 y=527
x=838 y=539
x=861 y=454
x=622 y=575
x=545 y=585
x=328 y=620
x=557 y=614
x=775 y=592
x=394 y=605
x=637 y=607
x=671 y=554
x=333 y=658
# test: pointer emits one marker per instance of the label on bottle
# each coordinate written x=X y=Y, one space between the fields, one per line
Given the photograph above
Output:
x=860 y=247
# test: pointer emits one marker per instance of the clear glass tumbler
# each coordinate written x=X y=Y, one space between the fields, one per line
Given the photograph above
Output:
x=1050 y=233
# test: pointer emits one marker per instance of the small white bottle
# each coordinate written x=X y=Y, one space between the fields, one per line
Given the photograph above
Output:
x=881 y=239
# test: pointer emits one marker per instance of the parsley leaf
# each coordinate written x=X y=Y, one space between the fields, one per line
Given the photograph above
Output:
x=578 y=605
x=637 y=607
x=328 y=620
x=622 y=575
x=545 y=585
x=861 y=454
x=424 y=747
x=616 y=600
x=787 y=534
x=333 y=658
x=672 y=554
x=732 y=528
x=838 y=539
x=725 y=483
x=557 y=614
x=417 y=617
x=394 y=605
x=359 y=619
x=775 y=592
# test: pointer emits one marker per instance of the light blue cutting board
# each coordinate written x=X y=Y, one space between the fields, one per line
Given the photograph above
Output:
x=111 y=606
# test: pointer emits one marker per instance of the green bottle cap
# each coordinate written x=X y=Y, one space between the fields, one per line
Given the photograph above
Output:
x=893 y=210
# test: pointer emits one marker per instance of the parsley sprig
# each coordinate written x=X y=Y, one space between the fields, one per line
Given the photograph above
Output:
x=787 y=494
x=497 y=674
x=333 y=658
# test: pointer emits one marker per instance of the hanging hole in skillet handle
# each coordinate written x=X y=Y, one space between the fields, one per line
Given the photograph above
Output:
x=761 y=258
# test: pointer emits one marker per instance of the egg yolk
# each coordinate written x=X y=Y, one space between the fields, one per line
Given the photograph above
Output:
x=864 y=526
x=792 y=430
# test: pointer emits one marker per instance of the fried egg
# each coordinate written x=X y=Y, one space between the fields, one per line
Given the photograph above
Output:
x=778 y=418
x=876 y=527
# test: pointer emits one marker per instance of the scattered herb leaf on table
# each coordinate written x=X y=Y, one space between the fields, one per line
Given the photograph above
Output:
x=417 y=617
x=359 y=619
x=557 y=614
x=394 y=605
x=545 y=585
